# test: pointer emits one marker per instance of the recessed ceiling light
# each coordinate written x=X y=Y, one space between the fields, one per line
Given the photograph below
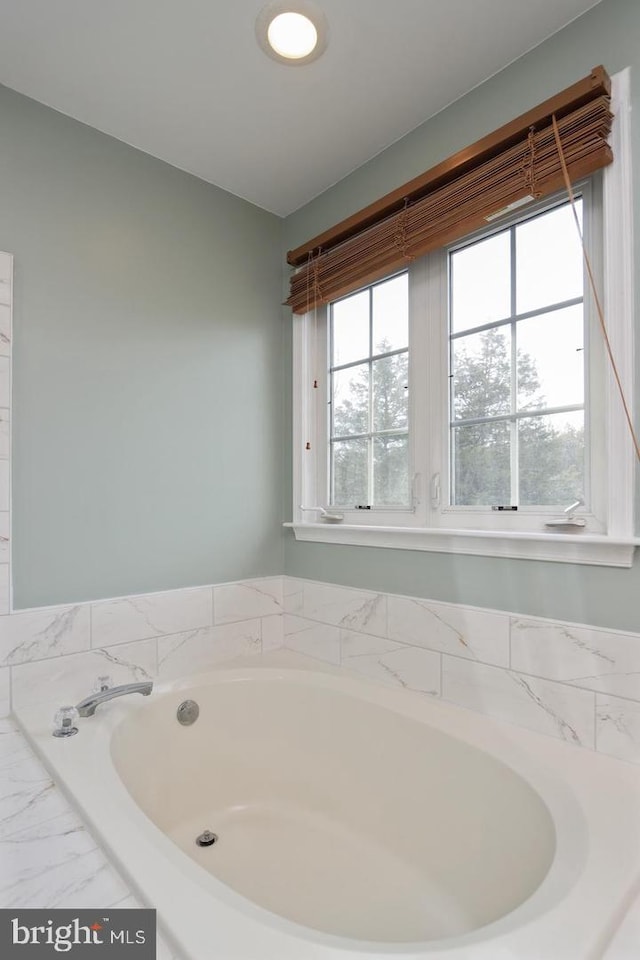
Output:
x=292 y=35
x=292 y=31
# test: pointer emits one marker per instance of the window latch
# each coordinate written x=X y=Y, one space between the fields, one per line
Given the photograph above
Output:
x=435 y=490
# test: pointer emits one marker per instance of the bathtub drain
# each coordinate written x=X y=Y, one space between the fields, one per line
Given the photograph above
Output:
x=206 y=839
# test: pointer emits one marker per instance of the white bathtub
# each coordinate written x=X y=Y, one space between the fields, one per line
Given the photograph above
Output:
x=352 y=820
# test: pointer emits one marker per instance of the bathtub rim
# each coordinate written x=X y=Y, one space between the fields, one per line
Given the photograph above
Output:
x=508 y=744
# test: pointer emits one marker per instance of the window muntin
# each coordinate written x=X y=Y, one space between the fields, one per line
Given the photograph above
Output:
x=517 y=365
x=369 y=397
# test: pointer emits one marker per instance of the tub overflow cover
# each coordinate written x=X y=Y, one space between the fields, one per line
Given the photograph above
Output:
x=187 y=713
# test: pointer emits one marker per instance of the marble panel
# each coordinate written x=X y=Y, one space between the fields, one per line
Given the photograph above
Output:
x=461 y=631
x=5 y=475
x=601 y=660
x=244 y=601
x=150 y=615
x=319 y=640
x=292 y=594
x=272 y=633
x=13 y=745
x=5 y=445
x=618 y=727
x=56 y=863
x=44 y=632
x=5 y=330
x=5 y=551
x=5 y=595
x=391 y=662
x=5 y=691
x=542 y=705
x=339 y=606
x=200 y=650
x=5 y=383
x=27 y=794
x=68 y=679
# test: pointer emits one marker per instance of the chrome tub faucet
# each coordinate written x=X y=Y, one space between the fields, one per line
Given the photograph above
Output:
x=105 y=691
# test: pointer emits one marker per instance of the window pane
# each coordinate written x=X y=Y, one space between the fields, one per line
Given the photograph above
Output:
x=390 y=471
x=551 y=459
x=350 y=329
x=548 y=259
x=349 y=472
x=390 y=392
x=391 y=314
x=481 y=464
x=481 y=369
x=551 y=359
x=481 y=283
x=350 y=401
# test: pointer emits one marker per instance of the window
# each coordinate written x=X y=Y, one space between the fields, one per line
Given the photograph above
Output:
x=517 y=365
x=464 y=403
x=368 y=389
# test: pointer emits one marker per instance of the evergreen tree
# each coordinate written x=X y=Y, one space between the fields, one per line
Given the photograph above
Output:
x=551 y=461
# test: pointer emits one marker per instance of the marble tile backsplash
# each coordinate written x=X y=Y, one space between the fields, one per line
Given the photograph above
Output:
x=578 y=683
x=55 y=654
x=575 y=682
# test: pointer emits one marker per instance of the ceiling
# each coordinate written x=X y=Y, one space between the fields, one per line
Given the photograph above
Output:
x=186 y=81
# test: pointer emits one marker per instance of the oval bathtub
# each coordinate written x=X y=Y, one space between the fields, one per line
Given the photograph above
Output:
x=351 y=820
x=338 y=813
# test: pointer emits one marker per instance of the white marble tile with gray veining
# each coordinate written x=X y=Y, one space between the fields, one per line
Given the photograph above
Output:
x=13 y=744
x=246 y=600
x=5 y=330
x=542 y=705
x=5 y=594
x=272 y=629
x=5 y=551
x=4 y=484
x=5 y=382
x=341 y=607
x=5 y=445
x=27 y=794
x=68 y=679
x=200 y=650
x=150 y=615
x=292 y=594
x=601 y=660
x=618 y=727
x=41 y=633
x=461 y=631
x=56 y=863
x=5 y=691
x=318 y=640
x=390 y=662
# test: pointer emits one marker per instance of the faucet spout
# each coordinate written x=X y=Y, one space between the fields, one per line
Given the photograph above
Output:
x=87 y=707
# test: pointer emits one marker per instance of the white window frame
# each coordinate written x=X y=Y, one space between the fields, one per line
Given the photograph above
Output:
x=427 y=526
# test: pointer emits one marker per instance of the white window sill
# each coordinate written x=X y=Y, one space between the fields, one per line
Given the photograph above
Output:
x=594 y=549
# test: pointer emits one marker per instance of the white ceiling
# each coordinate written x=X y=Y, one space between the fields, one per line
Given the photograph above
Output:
x=186 y=81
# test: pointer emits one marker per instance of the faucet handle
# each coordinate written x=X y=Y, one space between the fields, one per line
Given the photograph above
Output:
x=65 y=722
x=102 y=683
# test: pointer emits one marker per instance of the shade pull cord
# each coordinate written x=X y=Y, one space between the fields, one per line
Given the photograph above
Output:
x=594 y=291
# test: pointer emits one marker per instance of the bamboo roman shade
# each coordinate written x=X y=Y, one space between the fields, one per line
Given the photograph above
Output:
x=514 y=165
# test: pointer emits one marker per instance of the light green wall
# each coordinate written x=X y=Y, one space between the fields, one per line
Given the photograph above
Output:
x=147 y=368
x=608 y=34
